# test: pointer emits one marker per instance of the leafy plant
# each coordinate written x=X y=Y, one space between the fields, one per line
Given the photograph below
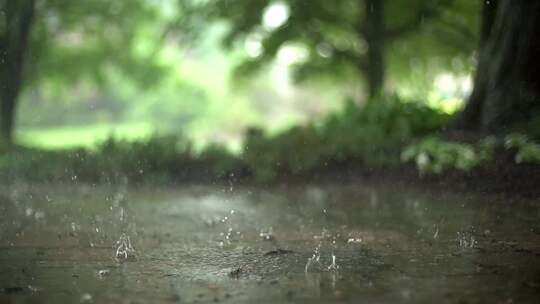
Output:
x=433 y=155
x=527 y=151
x=219 y=161
x=372 y=135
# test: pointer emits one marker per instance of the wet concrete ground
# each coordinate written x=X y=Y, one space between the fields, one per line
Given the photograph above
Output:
x=199 y=244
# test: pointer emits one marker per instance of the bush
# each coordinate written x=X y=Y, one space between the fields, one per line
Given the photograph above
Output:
x=526 y=150
x=220 y=161
x=157 y=156
x=380 y=126
x=434 y=155
x=372 y=135
x=296 y=151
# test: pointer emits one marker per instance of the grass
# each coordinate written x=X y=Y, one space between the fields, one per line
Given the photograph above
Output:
x=85 y=136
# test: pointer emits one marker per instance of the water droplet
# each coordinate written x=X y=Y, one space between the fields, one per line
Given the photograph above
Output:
x=267 y=235
x=354 y=240
x=86 y=298
x=103 y=273
x=38 y=215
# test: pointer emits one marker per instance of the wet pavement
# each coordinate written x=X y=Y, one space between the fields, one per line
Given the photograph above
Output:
x=304 y=244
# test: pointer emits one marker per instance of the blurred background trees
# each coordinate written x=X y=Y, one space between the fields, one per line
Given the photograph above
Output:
x=93 y=62
x=366 y=40
x=66 y=43
x=78 y=73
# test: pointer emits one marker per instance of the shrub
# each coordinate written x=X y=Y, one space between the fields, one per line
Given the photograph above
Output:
x=526 y=150
x=434 y=155
x=372 y=134
x=220 y=161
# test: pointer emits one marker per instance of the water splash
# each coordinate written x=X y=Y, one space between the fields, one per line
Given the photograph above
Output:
x=354 y=241
x=227 y=236
x=267 y=235
x=437 y=226
x=124 y=249
x=466 y=238
x=334 y=266
x=103 y=273
x=315 y=258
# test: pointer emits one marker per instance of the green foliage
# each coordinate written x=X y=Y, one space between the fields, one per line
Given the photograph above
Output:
x=295 y=151
x=133 y=159
x=336 y=36
x=527 y=151
x=219 y=161
x=433 y=155
x=380 y=125
x=85 y=40
x=371 y=135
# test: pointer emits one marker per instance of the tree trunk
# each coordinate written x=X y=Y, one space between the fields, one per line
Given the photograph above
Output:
x=374 y=35
x=19 y=17
x=469 y=119
x=507 y=81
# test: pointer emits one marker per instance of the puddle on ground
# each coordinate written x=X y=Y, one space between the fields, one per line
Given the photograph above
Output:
x=308 y=244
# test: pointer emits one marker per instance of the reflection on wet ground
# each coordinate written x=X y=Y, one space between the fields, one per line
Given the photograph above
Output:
x=308 y=244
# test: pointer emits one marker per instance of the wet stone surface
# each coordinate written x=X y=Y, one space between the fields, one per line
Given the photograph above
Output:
x=197 y=244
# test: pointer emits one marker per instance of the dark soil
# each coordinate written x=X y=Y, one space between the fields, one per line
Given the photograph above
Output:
x=501 y=176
